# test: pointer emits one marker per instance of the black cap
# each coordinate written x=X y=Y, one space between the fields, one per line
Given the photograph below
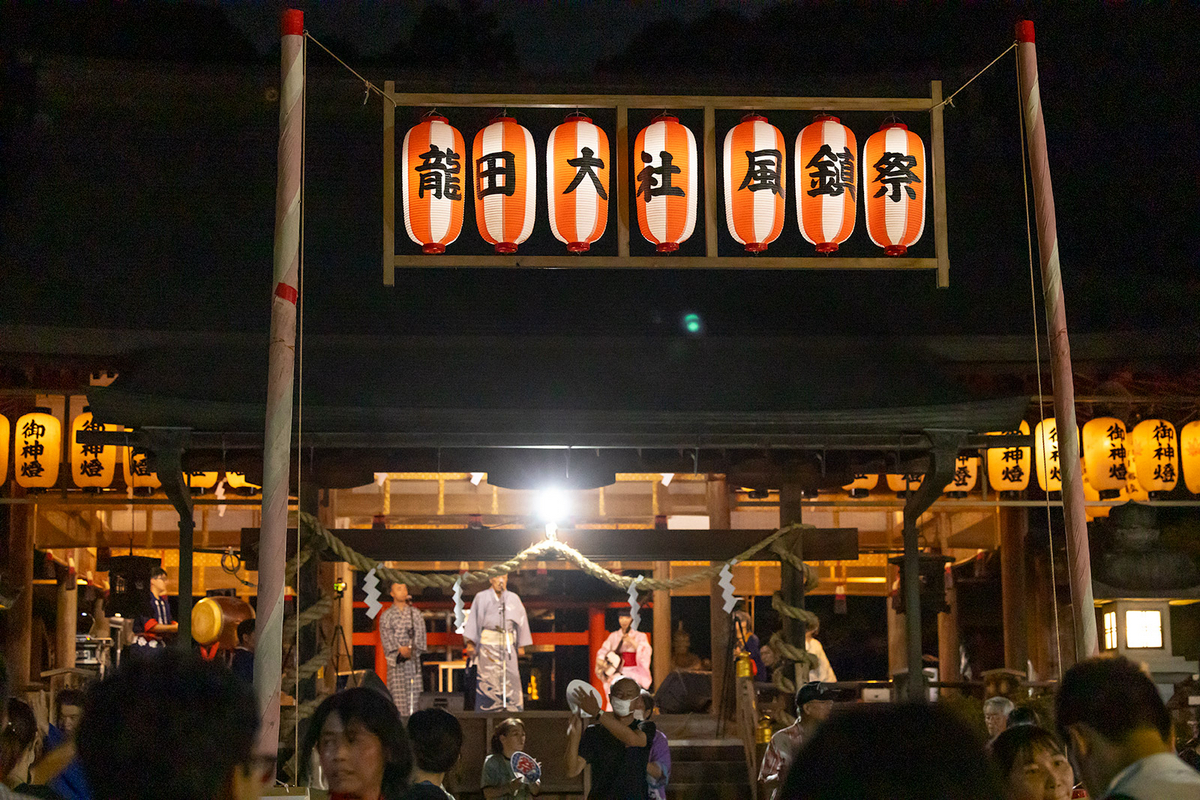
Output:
x=815 y=690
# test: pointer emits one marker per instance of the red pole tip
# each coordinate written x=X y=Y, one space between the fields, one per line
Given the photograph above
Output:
x=293 y=22
x=1025 y=31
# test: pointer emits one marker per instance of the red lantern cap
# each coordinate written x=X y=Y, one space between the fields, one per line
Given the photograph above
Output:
x=827 y=118
x=431 y=117
x=577 y=116
x=752 y=117
x=433 y=249
x=501 y=118
x=665 y=118
x=579 y=247
x=893 y=124
x=668 y=247
x=506 y=248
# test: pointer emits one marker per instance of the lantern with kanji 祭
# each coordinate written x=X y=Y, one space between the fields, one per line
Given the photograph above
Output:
x=138 y=474
x=92 y=465
x=862 y=485
x=903 y=484
x=4 y=431
x=1104 y=455
x=37 y=449
x=432 y=183
x=827 y=186
x=505 y=166
x=966 y=474
x=665 y=164
x=893 y=176
x=755 y=182
x=577 y=159
x=1189 y=455
x=1154 y=453
x=1008 y=467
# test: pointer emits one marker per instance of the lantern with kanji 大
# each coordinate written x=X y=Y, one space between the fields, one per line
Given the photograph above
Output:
x=665 y=164
x=505 y=183
x=1046 y=460
x=4 y=431
x=201 y=481
x=1008 y=467
x=893 y=187
x=38 y=449
x=966 y=474
x=903 y=484
x=827 y=186
x=92 y=465
x=1104 y=455
x=432 y=183
x=1189 y=455
x=577 y=159
x=138 y=474
x=755 y=182
x=1154 y=453
x=862 y=485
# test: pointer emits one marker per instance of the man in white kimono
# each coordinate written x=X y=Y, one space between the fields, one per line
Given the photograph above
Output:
x=496 y=631
x=402 y=632
x=823 y=672
x=625 y=654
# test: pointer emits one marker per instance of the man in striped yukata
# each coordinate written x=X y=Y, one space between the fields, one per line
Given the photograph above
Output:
x=402 y=632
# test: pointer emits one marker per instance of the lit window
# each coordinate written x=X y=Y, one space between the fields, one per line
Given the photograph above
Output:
x=1143 y=629
x=1110 y=630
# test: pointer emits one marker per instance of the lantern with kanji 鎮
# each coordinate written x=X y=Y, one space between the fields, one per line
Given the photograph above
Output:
x=37 y=449
x=4 y=431
x=904 y=484
x=966 y=474
x=1189 y=456
x=201 y=481
x=1008 y=467
x=505 y=166
x=755 y=182
x=577 y=159
x=1154 y=454
x=431 y=185
x=138 y=474
x=665 y=169
x=92 y=465
x=893 y=187
x=1104 y=455
x=827 y=186
x=862 y=485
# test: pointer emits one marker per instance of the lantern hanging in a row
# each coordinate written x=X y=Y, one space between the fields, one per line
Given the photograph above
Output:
x=861 y=485
x=893 y=189
x=577 y=159
x=1189 y=455
x=92 y=465
x=38 y=449
x=201 y=481
x=4 y=431
x=1046 y=451
x=1133 y=487
x=1154 y=451
x=966 y=473
x=666 y=160
x=1105 y=454
x=237 y=480
x=903 y=484
x=1092 y=495
x=432 y=183
x=138 y=474
x=505 y=183
x=827 y=187
x=1008 y=467
x=755 y=182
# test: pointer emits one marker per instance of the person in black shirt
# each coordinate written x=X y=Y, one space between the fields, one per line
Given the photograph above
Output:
x=617 y=746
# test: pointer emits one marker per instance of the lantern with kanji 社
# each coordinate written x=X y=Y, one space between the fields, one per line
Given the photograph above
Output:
x=432 y=183
x=893 y=187
x=1008 y=467
x=38 y=449
x=1154 y=453
x=862 y=485
x=966 y=474
x=1189 y=455
x=1104 y=455
x=92 y=465
x=755 y=182
x=577 y=185
x=4 y=431
x=665 y=164
x=505 y=183
x=827 y=186
x=1045 y=451
x=138 y=474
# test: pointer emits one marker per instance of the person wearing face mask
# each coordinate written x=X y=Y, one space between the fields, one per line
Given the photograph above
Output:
x=626 y=653
x=402 y=633
x=658 y=768
x=1032 y=763
x=616 y=747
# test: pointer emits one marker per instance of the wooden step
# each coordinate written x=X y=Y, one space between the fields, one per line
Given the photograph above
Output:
x=725 y=749
x=708 y=771
x=709 y=791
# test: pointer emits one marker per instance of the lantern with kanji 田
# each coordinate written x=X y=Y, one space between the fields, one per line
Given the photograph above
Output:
x=92 y=465
x=1046 y=455
x=893 y=187
x=505 y=165
x=432 y=183
x=827 y=183
x=665 y=164
x=38 y=449
x=1154 y=453
x=138 y=474
x=862 y=485
x=755 y=182
x=966 y=474
x=1008 y=467
x=577 y=159
x=1189 y=455
x=1104 y=455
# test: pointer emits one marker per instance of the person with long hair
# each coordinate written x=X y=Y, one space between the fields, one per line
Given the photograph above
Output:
x=499 y=779
x=361 y=744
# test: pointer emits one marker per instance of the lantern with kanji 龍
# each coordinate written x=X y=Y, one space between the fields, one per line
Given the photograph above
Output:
x=755 y=182
x=1189 y=455
x=966 y=474
x=665 y=164
x=38 y=449
x=577 y=160
x=92 y=465
x=432 y=183
x=862 y=485
x=1154 y=453
x=1104 y=455
x=1046 y=455
x=1008 y=467
x=893 y=187
x=505 y=183
x=827 y=183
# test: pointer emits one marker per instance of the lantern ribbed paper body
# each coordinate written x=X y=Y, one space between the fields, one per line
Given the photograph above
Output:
x=38 y=449
x=138 y=474
x=666 y=183
x=1154 y=453
x=893 y=187
x=577 y=159
x=1046 y=455
x=4 y=436
x=92 y=466
x=505 y=175
x=1104 y=455
x=434 y=156
x=966 y=475
x=1008 y=467
x=755 y=182
x=827 y=183
x=1189 y=455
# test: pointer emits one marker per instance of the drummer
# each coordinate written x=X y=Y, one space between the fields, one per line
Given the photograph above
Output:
x=154 y=620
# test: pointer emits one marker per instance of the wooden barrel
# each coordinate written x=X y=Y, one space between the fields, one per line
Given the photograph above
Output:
x=215 y=619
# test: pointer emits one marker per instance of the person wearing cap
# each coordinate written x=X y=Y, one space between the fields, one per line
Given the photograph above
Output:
x=814 y=702
x=625 y=653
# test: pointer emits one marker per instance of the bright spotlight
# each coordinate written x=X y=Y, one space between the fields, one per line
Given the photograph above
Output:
x=552 y=505
x=667 y=477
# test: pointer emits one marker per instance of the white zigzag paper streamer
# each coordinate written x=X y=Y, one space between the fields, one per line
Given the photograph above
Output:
x=726 y=584
x=460 y=614
x=371 y=587
x=634 y=608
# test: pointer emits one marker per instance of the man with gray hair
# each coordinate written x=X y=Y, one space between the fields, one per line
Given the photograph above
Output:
x=995 y=715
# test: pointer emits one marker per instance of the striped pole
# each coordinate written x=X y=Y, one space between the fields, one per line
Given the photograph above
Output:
x=268 y=661
x=1078 y=556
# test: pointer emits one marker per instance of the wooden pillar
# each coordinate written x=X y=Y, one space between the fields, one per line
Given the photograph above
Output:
x=661 y=662
x=948 y=661
x=65 y=622
x=597 y=633
x=791 y=580
x=717 y=495
x=896 y=630
x=1014 y=523
x=18 y=649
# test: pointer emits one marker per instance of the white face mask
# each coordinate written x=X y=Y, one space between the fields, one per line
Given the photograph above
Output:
x=639 y=714
x=620 y=707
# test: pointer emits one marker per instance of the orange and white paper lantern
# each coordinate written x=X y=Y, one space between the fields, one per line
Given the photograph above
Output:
x=755 y=182
x=827 y=186
x=505 y=166
x=893 y=187
x=666 y=181
x=433 y=156
x=577 y=159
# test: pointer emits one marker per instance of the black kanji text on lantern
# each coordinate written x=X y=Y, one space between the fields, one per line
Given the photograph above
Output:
x=439 y=171
x=896 y=172
x=496 y=173
x=831 y=173
x=762 y=171
x=647 y=185
x=587 y=165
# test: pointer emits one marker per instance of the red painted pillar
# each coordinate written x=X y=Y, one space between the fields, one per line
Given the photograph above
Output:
x=381 y=665
x=597 y=633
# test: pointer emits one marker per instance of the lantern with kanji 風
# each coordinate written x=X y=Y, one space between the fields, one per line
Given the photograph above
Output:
x=505 y=183
x=966 y=474
x=577 y=159
x=893 y=187
x=1154 y=453
x=1104 y=455
x=38 y=449
x=755 y=182
x=138 y=474
x=432 y=183
x=1189 y=455
x=1008 y=467
x=92 y=465
x=1046 y=455
x=827 y=186
x=665 y=164
x=862 y=485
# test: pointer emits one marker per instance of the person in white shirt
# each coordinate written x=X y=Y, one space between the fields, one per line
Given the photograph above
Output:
x=823 y=671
